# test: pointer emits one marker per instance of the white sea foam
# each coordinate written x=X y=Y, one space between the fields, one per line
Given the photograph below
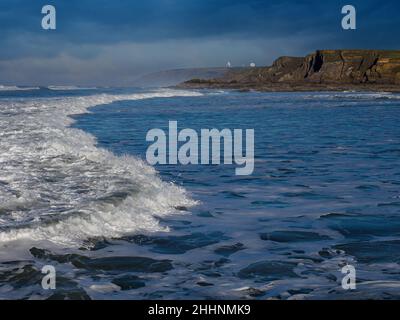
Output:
x=15 y=88
x=69 y=88
x=350 y=95
x=56 y=185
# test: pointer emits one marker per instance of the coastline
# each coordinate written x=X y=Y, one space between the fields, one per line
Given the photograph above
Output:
x=323 y=70
x=289 y=87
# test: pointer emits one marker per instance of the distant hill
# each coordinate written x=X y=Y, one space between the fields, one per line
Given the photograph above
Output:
x=176 y=76
x=322 y=70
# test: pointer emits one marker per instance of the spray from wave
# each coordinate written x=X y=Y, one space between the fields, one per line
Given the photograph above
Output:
x=56 y=185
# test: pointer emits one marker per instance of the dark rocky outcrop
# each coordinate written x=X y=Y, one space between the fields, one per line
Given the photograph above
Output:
x=322 y=70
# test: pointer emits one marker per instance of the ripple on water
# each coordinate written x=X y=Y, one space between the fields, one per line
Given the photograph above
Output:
x=131 y=264
x=363 y=226
x=177 y=244
x=373 y=251
x=287 y=236
x=269 y=270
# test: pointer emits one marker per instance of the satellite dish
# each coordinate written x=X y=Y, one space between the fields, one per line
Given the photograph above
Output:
x=252 y=65
x=229 y=65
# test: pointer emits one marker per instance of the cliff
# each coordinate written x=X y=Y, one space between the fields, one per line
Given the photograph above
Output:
x=322 y=70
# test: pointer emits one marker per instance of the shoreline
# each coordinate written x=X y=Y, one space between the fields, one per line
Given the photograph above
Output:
x=280 y=87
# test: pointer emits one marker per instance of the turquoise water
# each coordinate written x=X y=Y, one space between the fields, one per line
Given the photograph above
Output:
x=324 y=193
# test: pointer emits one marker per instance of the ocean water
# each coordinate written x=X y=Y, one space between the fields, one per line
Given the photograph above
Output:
x=76 y=193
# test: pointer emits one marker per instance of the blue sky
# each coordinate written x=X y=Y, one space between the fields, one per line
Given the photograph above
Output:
x=102 y=42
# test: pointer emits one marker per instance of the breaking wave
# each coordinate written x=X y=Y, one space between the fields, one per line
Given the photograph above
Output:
x=69 y=88
x=15 y=88
x=56 y=185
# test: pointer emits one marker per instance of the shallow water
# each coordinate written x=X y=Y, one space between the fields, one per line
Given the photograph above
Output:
x=325 y=192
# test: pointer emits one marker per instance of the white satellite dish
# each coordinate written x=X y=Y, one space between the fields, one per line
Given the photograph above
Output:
x=252 y=65
x=229 y=65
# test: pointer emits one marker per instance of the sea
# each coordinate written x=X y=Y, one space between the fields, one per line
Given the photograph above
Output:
x=77 y=194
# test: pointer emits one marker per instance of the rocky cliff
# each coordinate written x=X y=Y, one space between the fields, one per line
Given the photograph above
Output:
x=324 y=69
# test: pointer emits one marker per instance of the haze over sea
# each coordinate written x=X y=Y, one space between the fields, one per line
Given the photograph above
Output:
x=76 y=193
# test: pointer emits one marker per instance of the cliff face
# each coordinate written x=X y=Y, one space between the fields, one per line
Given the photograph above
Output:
x=353 y=66
x=324 y=67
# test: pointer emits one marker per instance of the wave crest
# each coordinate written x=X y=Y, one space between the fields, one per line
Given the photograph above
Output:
x=56 y=185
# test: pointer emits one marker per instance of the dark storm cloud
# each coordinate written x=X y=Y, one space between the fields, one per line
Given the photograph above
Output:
x=102 y=41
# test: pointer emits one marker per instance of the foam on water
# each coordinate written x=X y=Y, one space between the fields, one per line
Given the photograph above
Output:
x=70 y=88
x=15 y=88
x=56 y=185
x=355 y=96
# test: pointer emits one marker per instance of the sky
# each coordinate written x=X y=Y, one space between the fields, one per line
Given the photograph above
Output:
x=111 y=43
